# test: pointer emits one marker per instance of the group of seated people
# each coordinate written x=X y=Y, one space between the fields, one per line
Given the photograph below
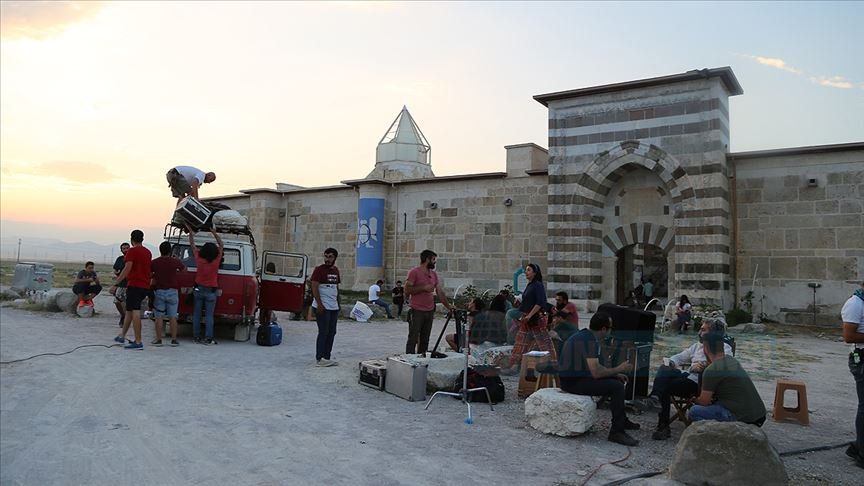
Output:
x=715 y=382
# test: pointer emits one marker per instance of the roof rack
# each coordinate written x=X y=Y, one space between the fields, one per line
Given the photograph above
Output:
x=174 y=231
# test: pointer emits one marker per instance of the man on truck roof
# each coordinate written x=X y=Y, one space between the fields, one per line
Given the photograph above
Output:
x=184 y=180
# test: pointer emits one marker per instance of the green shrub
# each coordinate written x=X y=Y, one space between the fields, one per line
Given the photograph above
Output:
x=737 y=316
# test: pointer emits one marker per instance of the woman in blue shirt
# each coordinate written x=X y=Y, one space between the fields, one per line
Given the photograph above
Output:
x=533 y=327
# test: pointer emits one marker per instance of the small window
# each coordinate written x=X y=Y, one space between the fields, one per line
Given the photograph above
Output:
x=617 y=210
x=665 y=209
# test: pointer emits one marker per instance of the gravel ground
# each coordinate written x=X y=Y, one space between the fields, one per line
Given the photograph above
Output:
x=237 y=413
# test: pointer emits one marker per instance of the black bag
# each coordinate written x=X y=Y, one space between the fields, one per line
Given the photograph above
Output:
x=491 y=381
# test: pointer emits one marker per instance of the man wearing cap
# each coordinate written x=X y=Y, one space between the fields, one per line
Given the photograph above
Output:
x=185 y=180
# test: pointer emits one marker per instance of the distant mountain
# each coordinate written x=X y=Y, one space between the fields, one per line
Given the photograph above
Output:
x=51 y=249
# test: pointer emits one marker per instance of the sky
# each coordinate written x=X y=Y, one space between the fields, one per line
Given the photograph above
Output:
x=99 y=99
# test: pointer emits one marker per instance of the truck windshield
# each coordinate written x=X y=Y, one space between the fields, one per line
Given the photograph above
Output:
x=230 y=257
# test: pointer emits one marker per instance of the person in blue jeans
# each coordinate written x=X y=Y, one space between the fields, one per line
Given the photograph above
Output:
x=375 y=298
x=207 y=261
x=728 y=393
x=852 y=315
x=325 y=282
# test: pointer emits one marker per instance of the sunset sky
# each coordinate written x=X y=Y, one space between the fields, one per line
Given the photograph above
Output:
x=99 y=100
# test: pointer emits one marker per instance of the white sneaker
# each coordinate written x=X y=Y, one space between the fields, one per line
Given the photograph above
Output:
x=324 y=362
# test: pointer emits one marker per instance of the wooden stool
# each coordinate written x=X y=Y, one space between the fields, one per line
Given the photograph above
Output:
x=547 y=380
x=528 y=374
x=800 y=413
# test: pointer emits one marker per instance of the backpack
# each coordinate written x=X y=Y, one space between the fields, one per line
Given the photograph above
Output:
x=489 y=379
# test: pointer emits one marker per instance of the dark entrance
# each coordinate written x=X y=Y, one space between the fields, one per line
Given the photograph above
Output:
x=636 y=264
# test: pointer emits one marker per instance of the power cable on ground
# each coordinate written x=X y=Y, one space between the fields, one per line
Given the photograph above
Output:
x=108 y=346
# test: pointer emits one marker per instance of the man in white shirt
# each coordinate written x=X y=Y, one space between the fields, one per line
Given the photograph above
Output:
x=853 y=333
x=185 y=180
x=672 y=381
x=375 y=297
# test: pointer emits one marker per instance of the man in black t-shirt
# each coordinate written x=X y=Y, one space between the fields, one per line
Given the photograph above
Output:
x=87 y=284
x=119 y=292
x=581 y=373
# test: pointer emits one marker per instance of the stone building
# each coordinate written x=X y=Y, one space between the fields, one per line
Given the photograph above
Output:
x=638 y=183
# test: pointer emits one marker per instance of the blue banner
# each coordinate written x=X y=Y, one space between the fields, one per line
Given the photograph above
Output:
x=370 y=232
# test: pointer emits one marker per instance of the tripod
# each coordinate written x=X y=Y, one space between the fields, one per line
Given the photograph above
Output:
x=465 y=392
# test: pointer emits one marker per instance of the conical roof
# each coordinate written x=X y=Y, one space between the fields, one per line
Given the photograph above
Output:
x=403 y=152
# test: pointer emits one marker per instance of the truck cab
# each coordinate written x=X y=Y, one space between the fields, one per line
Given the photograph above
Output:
x=246 y=289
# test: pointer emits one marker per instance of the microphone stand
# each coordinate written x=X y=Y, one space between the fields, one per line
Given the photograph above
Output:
x=465 y=393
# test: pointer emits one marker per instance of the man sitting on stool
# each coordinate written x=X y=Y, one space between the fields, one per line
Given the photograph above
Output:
x=671 y=381
x=728 y=393
x=582 y=374
x=87 y=285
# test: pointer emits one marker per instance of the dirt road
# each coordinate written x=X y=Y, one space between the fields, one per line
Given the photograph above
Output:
x=241 y=414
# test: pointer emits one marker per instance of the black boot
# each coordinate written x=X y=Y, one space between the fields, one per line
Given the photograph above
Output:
x=663 y=431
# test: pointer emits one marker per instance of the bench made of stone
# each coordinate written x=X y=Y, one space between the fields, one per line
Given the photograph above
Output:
x=556 y=412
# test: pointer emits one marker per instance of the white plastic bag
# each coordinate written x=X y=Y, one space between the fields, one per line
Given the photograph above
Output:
x=361 y=312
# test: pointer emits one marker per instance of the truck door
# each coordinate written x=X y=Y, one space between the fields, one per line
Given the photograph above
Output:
x=283 y=281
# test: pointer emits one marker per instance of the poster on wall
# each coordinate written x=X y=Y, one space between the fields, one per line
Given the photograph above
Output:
x=370 y=229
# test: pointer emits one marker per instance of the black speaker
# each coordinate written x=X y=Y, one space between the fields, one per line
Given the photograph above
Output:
x=629 y=324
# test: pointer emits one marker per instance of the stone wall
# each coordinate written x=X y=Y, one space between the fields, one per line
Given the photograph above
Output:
x=677 y=135
x=799 y=221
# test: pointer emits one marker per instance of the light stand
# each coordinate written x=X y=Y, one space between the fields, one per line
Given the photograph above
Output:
x=814 y=286
x=465 y=392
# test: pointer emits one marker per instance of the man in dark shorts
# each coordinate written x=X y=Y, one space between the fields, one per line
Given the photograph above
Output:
x=87 y=285
x=136 y=271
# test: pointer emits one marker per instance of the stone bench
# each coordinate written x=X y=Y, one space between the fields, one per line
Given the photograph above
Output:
x=556 y=412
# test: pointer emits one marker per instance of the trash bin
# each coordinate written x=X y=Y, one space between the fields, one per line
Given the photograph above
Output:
x=33 y=276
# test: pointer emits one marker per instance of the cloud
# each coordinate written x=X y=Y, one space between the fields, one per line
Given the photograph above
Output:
x=30 y=19
x=826 y=81
x=775 y=63
x=82 y=172
x=833 y=82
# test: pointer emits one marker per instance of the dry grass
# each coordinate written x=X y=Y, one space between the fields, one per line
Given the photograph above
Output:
x=64 y=273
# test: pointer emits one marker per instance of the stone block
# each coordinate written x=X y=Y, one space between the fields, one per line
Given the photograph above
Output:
x=841 y=268
x=474 y=243
x=804 y=207
x=784 y=267
x=66 y=301
x=748 y=224
x=791 y=238
x=811 y=267
x=775 y=239
x=497 y=356
x=9 y=294
x=748 y=196
x=85 y=311
x=826 y=207
x=811 y=194
x=555 y=412
x=849 y=206
x=741 y=454
x=817 y=238
x=781 y=194
x=840 y=191
x=833 y=221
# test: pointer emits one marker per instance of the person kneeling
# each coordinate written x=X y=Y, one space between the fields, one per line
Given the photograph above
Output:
x=728 y=393
x=581 y=373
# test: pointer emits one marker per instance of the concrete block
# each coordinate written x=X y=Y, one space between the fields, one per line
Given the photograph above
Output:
x=817 y=238
x=833 y=221
x=841 y=268
x=849 y=206
x=826 y=207
x=781 y=194
x=556 y=412
x=811 y=268
x=791 y=238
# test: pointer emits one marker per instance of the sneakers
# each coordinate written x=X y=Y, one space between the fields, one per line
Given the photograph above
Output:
x=623 y=438
x=628 y=425
x=853 y=452
x=156 y=342
x=149 y=315
x=135 y=346
x=324 y=363
x=662 y=433
x=209 y=342
x=120 y=340
x=196 y=340
x=174 y=343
